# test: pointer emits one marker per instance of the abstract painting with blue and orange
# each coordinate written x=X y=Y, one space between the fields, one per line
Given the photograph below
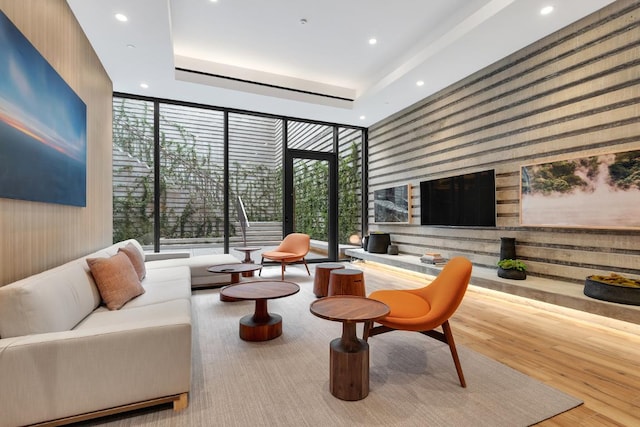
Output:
x=43 y=127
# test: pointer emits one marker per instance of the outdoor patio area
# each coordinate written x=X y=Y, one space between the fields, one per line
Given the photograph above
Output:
x=318 y=249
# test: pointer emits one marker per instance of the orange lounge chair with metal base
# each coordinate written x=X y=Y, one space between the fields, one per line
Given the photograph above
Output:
x=422 y=310
x=294 y=247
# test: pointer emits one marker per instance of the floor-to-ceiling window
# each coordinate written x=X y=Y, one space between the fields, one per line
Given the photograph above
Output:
x=179 y=170
x=310 y=207
x=350 y=144
x=191 y=144
x=133 y=170
x=255 y=175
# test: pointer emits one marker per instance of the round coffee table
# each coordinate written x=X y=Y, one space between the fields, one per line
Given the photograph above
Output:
x=235 y=270
x=349 y=355
x=261 y=325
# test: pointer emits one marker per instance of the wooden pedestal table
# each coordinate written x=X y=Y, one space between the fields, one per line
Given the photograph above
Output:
x=347 y=281
x=349 y=355
x=261 y=325
x=247 y=258
x=321 y=278
x=235 y=270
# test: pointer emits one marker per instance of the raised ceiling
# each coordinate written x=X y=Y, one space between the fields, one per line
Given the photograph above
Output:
x=309 y=58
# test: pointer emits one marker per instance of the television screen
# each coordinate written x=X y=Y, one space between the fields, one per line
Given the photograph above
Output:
x=465 y=200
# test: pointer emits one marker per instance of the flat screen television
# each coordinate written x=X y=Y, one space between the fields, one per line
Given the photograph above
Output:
x=463 y=200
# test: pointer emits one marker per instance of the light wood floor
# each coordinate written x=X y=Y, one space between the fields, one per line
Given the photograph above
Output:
x=590 y=357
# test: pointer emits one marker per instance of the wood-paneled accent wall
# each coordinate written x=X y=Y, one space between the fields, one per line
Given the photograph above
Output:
x=37 y=236
x=572 y=94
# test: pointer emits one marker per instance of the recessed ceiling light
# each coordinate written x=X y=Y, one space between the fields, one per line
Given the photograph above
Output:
x=546 y=10
x=373 y=41
x=144 y=85
x=213 y=1
x=131 y=46
x=121 y=17
x=420 y=83
x=303 y=21
x=362 y=117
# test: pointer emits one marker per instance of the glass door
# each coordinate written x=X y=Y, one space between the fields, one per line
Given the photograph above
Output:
x=311 y=200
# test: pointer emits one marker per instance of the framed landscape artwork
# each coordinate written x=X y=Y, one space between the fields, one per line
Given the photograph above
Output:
x=43 y=148
x=600 y=191
x=392 y=204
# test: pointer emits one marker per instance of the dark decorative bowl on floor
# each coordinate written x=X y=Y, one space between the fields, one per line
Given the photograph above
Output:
x=512 y=274
x=612 y=293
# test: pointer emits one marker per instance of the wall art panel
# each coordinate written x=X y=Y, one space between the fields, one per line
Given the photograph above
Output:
x=43 y=142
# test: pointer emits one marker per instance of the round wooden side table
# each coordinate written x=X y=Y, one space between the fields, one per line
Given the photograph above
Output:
x=347 y=281
x=247 y=258
x=349 y=355
x=321 y=278
x=261 y=325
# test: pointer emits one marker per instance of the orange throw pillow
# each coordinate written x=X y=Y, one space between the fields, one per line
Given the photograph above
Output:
x=116 y=279
x=136 y=259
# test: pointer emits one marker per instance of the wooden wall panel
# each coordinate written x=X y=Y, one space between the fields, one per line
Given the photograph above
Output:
x=574 y=93
x=38 y=236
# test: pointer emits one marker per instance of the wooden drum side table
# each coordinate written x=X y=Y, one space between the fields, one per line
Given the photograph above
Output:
x=321 y=278
x=349 y=355
x=261 y=325
x=347 y=281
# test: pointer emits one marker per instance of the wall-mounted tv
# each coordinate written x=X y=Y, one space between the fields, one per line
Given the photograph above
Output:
x=463 y=200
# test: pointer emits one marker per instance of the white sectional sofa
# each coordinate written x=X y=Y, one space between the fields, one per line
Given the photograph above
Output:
x=64 y=355
x=200 y=276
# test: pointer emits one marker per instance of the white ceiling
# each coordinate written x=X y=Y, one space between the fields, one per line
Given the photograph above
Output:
x=264 y=41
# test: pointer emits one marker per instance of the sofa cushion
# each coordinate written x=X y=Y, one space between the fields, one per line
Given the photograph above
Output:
x=116 y=279
x=52 y=301
x=164 y=313
x=198 y=265
x=136 y=258
x=161 y=285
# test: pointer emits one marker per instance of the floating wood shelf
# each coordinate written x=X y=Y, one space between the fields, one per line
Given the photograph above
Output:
x=565 y=294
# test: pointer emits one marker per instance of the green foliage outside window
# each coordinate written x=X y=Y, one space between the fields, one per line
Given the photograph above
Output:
x=349 y=206
x=312 y=198
x=198 y=181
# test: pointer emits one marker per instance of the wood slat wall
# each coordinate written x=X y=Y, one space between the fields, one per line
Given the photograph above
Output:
x=573 y=94
x=37 y=236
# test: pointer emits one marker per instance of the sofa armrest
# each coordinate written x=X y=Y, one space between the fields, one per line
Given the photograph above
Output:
x=60 y=374
x=156 y=256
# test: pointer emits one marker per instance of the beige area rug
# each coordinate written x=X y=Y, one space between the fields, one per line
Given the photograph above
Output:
x=285 y=382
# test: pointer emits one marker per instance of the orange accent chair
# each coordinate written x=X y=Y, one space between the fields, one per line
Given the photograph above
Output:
x=422 y=310
x=294 y=247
